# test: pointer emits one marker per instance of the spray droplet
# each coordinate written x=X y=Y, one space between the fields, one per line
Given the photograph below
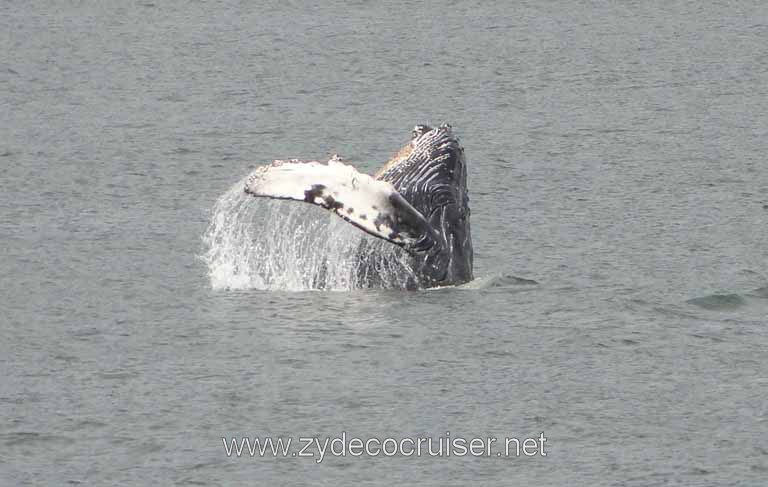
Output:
x=258 y=243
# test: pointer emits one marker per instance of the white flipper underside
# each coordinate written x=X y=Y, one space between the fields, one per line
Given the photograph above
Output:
x=372 y=205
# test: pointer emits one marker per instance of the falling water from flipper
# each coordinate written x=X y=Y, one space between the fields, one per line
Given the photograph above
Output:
x=257 y=243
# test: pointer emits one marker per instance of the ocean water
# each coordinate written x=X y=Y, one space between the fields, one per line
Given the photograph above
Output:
x=619 y=195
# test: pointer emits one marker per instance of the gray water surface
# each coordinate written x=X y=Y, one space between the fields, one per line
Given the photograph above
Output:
x=617 y=157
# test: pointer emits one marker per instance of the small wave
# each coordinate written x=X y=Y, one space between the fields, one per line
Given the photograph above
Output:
x=497 y=281
x=761 y=292
x=718 y=301
x=254 y=243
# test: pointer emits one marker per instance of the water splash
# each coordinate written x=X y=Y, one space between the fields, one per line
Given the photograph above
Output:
x=255 y=243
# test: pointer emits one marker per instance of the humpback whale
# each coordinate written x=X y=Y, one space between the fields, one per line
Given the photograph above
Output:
x=418 y=200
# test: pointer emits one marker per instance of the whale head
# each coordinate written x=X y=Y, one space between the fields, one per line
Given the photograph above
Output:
x=430 y=172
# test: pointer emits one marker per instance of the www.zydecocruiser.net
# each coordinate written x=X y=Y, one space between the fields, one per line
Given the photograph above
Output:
x=344 y=446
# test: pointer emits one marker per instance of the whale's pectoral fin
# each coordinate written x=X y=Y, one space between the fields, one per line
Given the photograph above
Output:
x=371 y=205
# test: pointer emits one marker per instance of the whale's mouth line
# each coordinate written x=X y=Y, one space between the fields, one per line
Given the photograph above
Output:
x=424 y=139
x=400 y=156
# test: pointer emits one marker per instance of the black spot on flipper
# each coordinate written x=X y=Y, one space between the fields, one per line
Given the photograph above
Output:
x=332 y=204
x=314 y=192
x=363 y=217
x=379 y=221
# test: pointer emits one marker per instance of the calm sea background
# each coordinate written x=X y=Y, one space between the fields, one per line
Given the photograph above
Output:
x=617 y=157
